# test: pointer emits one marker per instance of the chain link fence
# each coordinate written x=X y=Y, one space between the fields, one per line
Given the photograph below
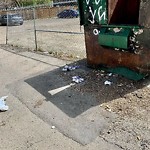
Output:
x=52 y=29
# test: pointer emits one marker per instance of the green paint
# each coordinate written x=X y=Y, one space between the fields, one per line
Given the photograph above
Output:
x=107 y=37
x=130 y=74
x=93 y=12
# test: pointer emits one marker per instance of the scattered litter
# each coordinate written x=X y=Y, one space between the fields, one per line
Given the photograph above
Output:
x=117 y=49
x=134 y=44
x=101 y=105
x=69 y=68
x=108 y=108
x=53 y=127
x=77 y=79
x=140 y=31
x=148 y=86
x=116 y=30
x=102 y=74
x=119 y=85
x=46 y=52
x=110 y=74
x=3 y=106
x=107 y=82
x=102 y=71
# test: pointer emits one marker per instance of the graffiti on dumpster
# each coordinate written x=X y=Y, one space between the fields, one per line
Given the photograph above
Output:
x=96 y=32
x=96 y=2
x=96 y=10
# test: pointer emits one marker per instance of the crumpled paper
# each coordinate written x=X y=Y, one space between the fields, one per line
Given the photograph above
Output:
x=3 y=106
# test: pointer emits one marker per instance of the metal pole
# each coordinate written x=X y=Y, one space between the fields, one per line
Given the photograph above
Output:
x=7 y=29
x=35 y=36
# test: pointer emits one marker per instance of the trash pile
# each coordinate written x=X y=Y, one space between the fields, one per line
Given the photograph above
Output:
x=3 y=106
x=77 y=79
x=134 y=45
x=69 y=68
x=107 y=83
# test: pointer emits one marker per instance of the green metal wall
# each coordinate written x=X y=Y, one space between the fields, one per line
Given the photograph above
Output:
x=93 y=12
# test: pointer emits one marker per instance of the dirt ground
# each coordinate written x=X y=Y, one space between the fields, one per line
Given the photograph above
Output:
x=128 y=99
x=67 y=44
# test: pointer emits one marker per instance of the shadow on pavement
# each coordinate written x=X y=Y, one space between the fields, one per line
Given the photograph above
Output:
x=78 y=98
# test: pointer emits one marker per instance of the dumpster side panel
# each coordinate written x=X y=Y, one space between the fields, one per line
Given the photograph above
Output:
x=100 y=56
x=132 y=53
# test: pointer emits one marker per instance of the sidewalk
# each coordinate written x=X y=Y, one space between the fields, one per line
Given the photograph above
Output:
x=34 y=120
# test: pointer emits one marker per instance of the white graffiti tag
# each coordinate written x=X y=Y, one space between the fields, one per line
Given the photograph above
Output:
x=87 y=2
x=96 y=32
x=103 y=15
x=100 y=15
x=97 y=2
x=93 y=15
x=98 y=12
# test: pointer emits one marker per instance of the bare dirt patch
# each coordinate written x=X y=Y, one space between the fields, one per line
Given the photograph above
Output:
x=128 y=99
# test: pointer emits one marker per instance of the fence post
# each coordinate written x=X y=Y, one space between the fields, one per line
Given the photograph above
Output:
x=35 y=36
x=7 y=28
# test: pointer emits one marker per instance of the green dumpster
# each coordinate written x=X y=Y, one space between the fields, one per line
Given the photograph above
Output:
x=114 y=35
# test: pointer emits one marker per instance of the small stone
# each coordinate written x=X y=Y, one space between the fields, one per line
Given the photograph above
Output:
x=138 y=138
x=46 y=52
x=119 y=85
x=108 y=108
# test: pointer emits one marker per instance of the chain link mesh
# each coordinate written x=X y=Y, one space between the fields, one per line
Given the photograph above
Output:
x=53 y=28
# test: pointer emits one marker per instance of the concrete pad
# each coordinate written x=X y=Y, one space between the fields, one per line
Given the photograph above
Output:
x=74 y=114
x=28 y=122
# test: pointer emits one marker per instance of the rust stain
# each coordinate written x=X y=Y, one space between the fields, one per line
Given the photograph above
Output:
x=98 y=55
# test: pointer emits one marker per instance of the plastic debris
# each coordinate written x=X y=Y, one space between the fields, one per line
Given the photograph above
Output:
x=140 y=31
x=53 y=127
x=107 y=82
x=116 y=30
x=148 y=86
x=110 y=74
x=69 y=68
x=117 y=49
x=77 y=79
x=3 y=106
x=119 y=85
